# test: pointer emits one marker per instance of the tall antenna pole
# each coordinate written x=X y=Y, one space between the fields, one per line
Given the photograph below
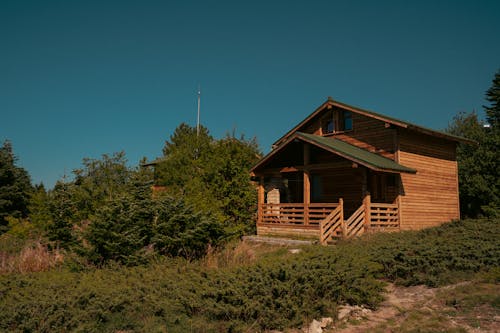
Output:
x=198 y=119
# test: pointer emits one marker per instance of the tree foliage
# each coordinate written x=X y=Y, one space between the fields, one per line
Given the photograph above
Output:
x=478 y=165
x=493 y=97
x=15 y=187
x=212 y=174
x=136 y=224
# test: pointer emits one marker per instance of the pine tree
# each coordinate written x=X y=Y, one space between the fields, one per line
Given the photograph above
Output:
x=15 y=187
x=479 y=165
x=493 y=96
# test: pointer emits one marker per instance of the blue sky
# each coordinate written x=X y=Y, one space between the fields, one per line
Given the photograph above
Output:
x=83 y=78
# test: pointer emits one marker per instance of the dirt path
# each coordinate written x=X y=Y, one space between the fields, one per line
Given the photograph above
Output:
x=409 y=308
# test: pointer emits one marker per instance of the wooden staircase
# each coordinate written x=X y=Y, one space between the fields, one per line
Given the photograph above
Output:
x=369 y=216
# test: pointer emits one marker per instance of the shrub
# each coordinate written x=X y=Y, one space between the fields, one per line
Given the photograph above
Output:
x=34 y=257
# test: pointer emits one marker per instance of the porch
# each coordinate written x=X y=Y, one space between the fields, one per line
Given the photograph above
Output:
x=326 y=221
x=324 y=188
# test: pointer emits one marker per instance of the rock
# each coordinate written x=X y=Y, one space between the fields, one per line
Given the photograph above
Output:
x=352 y=311
x=314 y=327
x=294 y=251
x=326 y=321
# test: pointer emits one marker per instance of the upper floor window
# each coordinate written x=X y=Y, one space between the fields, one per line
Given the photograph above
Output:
x=327 y=125
x=346 y=121
x=336 y=121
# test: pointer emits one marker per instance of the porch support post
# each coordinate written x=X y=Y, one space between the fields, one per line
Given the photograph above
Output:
x=260 y=199
x=342 y=221
x=367 y=204
x=307 y=184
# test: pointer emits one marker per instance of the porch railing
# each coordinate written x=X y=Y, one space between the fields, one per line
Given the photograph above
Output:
x=295 y=213
x=355 y=224
x=330 y=227
x=384 y=216
x=329 y=218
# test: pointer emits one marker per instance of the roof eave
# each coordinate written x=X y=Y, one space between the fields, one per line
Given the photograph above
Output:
x=332 y=103
x=297 y=135
x=356 y=160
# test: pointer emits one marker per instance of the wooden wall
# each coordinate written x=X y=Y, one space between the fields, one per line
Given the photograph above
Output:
x=345 y=183
x=430 y=197
x=311 y=231
x=367 y=133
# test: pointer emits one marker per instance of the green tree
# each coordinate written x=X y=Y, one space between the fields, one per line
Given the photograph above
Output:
x=98 y=181
x=39 y=208
x=212 y=175
x=122 y=228
x=228 y=177
x=493 y=110
x=15 y=187
x=136 y=224
x=184 y=157
x=73 y=204
x=63 y=211
x=180 y=230
x=478 y=165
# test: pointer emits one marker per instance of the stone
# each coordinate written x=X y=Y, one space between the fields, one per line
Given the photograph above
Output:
x=326 y=321
x=314 y=327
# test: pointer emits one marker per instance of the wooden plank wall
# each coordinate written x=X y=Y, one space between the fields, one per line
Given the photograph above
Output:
x=431 y=195
x=367 y=133
x=345 y=183
x=288 y=231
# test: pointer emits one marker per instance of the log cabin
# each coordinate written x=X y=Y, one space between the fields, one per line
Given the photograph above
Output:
x=344 y=171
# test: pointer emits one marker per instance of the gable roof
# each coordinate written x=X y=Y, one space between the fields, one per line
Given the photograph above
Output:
x=343 y=149
x=393 y=121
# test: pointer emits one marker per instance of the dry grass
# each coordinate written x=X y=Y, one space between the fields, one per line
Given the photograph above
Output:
x=240 y=253
x=34 y=257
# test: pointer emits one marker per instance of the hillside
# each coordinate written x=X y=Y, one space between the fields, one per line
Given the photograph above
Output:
x=252 y=288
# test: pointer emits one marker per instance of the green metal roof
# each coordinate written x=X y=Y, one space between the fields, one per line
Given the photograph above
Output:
x=355 y=154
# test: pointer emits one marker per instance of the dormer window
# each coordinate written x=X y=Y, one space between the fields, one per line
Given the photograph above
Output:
x=346 y=120
x=336 y=121
x=328 y=125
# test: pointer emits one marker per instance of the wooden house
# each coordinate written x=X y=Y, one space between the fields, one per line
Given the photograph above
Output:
x=343 y=171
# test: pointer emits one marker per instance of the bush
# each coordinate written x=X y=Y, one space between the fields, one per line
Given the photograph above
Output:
x=274 y=291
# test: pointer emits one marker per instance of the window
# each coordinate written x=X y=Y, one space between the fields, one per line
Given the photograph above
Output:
x=336 y=121
x=347 y=120
x=328 y=126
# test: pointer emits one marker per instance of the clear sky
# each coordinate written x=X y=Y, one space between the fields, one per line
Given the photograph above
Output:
x=83 y=78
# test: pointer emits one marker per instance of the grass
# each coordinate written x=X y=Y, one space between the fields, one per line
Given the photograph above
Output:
x=250 y=288
x=32 y=256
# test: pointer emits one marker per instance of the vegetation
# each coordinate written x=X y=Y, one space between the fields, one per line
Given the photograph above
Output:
x=15 y=187
x=212 y=174
x=112 y=255
x=478 y=165
x=108 y=212
x=267 y=290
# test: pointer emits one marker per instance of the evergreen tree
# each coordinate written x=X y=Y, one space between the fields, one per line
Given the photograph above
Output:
x=180 y=230
x=15 y=187
x=493 y=110
x=212 y=175
x=39 y=208
x=63 y=211
x=98 y=181
x=228 y=176
x=121 y=228
x=184 y=156
x=478 y=165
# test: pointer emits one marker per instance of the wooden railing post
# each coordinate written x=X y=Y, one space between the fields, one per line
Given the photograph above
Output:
x=260 y=200
x=367 y=204
x=307 y=184
x=342 y=222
